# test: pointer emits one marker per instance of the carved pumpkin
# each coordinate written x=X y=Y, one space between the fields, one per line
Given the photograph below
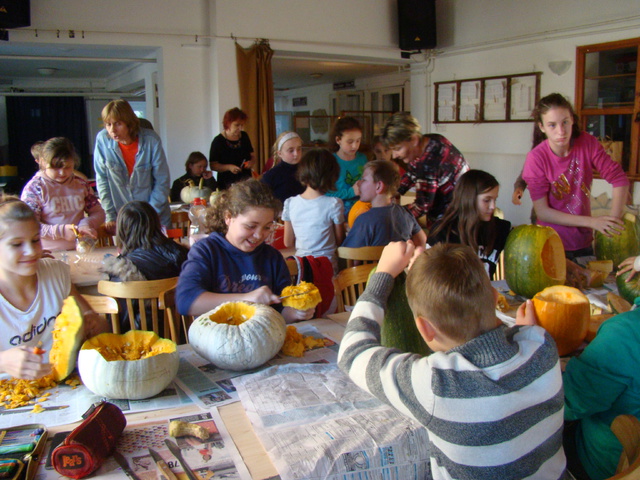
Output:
x=238 y=335
x=67 y=334
x=534 y=259
x=564 y=312
x=618 y=247
x=132 y=366
x=358 y=208
x=305 y=296
x=191 y=191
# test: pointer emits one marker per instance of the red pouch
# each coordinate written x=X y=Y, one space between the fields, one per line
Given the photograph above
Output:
x=91 y=442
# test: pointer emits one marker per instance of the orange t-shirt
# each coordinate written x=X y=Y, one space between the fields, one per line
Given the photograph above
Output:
x=129 y=154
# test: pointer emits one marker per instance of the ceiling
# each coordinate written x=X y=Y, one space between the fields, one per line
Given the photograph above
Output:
x=65 y=67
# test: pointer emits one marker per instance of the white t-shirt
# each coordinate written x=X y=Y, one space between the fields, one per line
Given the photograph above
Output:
x=36 y=323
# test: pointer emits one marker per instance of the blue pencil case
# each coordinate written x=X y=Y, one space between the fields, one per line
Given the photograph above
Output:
x=20 y=451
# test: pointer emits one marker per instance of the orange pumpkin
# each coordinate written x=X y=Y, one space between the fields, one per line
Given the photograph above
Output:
x=358 y=208
x=564 y=312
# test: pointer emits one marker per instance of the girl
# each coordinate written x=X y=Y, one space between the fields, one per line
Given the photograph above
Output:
x=233 y=263
x=345 y=137
x=31 y=293
x=287 y=152
x=559 y=172
x=60 y=199
x=196 y=167
x=469 y=219
x=313 y=221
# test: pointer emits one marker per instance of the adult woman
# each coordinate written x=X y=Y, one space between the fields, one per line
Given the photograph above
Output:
x=130 y=164
x=231 y=153
x=433 y=165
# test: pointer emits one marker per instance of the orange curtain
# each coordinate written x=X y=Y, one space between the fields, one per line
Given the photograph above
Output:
x=256 y=97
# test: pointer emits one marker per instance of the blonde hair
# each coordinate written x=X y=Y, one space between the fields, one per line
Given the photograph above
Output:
x=401 y=127
x=449 y=286
x=278 y=144
x=120 y=111
x=12 y=209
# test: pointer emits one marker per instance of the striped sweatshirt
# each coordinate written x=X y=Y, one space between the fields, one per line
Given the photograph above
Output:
x=493 y=406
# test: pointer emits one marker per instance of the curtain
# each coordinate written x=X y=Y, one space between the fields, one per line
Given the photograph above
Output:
x=255 y=80
x=31 y=119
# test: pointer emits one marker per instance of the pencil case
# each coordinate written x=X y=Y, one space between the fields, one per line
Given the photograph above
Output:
x=90 y=443
x=20 y=451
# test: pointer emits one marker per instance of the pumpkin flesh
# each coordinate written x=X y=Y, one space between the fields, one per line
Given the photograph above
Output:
x=357 y=209
x=68 y=333
x=305 y=296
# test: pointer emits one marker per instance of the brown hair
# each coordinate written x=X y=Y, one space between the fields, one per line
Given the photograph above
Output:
x=233 y=115
x=12 y=209
x=236 y=200
x=449 y=286
x=194 y=157
x=386 y=172
x=138 y=226
x=319 y=170
x=553 y=100
x=120 y=111
x=401 y=127
x=36 y=150
x=343 y=124
x=56 y=151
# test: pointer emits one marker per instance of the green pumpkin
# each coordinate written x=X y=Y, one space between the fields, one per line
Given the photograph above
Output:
x=534 y=259
x=399 y=328
x=618 y=247
x=628 y=290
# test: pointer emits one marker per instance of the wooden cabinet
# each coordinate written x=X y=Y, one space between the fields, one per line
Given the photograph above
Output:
x=607 y=96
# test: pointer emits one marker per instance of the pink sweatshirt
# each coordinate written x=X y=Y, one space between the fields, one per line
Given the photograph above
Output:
x=59 y=204
x=566 y=182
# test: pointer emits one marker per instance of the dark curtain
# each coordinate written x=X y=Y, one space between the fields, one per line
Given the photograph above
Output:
x=31 y=119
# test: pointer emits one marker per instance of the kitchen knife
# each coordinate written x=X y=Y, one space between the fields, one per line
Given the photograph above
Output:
x=175 y=450
x=162 y=465
x=125 y=465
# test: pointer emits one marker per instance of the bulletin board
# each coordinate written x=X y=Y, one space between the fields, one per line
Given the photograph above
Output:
x=506 y=98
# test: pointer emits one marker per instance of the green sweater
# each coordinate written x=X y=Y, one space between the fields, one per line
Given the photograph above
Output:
x=600 y=384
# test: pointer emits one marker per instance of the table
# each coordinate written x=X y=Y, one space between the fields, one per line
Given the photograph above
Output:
x=85 y=273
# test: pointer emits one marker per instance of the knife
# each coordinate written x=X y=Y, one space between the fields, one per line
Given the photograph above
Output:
x=173 y=448
x=293 y=295
x=162 y=465
x=125 y=465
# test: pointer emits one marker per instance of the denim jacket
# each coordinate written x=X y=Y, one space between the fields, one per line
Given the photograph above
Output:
x=149 y=181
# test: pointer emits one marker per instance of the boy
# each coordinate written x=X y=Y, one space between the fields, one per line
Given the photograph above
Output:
x=386 y=221
x=490 y=396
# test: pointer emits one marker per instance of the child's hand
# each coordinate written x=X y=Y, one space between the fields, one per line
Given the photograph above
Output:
x=22 y=362
x=207 y=174
x=262 y=295
x=395 y=257
x=629 y=264
x=526 y=314
x=607 y=225
x=86 y=231
x=69 y=233
x=110 y=228
x=294 y=315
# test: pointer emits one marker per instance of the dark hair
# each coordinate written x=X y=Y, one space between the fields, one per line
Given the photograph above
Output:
x=236 y=200
x=138 y=226
x=386 y=172
x=461 y=216
x=56 y=151
x=12 y=209
x=319 y=170
x=233 y=115
x=120 y=111
x=553 y=100
x=194 y=157
x=343 y=124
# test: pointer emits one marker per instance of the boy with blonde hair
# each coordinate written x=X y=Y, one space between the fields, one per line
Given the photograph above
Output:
x=490 y=396
x=386 y=221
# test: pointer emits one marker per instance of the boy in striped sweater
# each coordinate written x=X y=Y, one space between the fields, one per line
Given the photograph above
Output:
x=490 y=396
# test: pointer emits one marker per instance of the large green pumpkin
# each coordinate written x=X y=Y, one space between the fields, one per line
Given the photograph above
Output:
x=399 y=328
x=618 y=247
x=628 y=290
x=534 y=259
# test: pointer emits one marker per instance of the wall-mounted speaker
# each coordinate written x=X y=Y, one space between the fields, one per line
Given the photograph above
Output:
x=15 y=13
x=417 y=24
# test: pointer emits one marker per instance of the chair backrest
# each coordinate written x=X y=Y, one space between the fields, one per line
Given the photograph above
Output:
x=107 y=306
x=180 y=219
x=499 y=275
x=105 y=239
x=135 y=294
x=167 y=302
x=292 y=265
x=360 y=254
x=627 y=429
x=349 y=285
x=177 y=235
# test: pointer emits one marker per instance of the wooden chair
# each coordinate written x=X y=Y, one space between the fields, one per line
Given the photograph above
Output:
x=360 y=254
x=107 y=306
x=349 y=285
x=293 y=270
x=499 y=275
x=135 y=294
x=105 y=239
x=180 y=219
x=167 y=302
x=627 y=429
x=177 y=234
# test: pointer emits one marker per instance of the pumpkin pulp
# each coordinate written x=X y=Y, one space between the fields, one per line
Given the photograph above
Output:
x=132 y=345
x=233 y=313
x=67 y=338
x=306 y=296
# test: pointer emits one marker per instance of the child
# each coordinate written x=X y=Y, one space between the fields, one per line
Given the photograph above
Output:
x=345 y=137
x=287 y=152
x=469 y=219
x=60 y=199
x=32 y=289
x=196 y=167
x=386 y=221
x=314 y=221
x=559 y=172
x=233 y=263
x=490 y=396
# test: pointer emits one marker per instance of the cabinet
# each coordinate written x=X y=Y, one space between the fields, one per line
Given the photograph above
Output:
x=607 y=96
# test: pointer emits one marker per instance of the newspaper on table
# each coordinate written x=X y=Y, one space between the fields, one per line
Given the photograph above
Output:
x=315 y=423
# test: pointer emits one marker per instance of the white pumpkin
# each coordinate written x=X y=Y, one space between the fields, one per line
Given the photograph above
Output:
x=132 y=366
x=214 y=195
x=238 y=335
x=191 y=191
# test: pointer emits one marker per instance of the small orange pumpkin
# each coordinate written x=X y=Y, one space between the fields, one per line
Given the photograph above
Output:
x=358 y=208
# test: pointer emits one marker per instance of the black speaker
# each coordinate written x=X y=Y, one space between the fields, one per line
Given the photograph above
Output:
x=417 y=24
x=14 y=13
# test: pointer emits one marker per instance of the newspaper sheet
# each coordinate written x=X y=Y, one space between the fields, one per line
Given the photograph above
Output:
x=315 y=423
